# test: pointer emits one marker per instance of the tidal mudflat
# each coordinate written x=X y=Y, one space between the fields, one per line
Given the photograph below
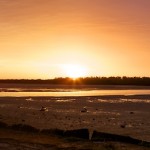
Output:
x=121 y=115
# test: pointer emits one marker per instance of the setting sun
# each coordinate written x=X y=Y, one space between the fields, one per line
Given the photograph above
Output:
x=108 y=37
x=74 y=70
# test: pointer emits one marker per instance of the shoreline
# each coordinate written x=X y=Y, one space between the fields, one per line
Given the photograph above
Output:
x=108 y=115
x=118 y=96
x=126 y=115
x=66 y=86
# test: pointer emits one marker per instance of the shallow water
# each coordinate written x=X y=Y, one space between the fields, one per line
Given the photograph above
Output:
x=76 y=93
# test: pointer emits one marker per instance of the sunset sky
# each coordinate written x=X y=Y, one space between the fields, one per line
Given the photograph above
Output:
x=58 y=38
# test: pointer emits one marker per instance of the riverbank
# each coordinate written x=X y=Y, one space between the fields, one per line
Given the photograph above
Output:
x=60 y=87
x=124 y=115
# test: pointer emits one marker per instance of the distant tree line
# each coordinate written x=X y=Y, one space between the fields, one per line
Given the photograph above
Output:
x=145 y=81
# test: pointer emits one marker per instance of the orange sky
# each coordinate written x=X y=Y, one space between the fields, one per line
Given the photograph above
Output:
x=107 y=37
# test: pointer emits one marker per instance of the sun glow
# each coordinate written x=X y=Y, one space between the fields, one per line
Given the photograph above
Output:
x=74 y=70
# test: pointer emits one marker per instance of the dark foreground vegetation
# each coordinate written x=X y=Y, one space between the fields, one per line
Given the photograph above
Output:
x=24 y=136
x=141 y=81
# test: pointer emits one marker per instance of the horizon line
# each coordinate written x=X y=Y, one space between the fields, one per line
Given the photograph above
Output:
x=74 y=78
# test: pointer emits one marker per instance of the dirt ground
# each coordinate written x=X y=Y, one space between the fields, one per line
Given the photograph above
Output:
x=124 y=115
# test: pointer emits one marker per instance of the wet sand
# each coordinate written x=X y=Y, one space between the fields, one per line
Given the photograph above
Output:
x=123 y=115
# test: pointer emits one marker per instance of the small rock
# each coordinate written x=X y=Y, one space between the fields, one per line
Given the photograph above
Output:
x=129 y=126
x=84 y=109
x=123 y=125
x=29 y=99
x=131 y=112
x=44 y=109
